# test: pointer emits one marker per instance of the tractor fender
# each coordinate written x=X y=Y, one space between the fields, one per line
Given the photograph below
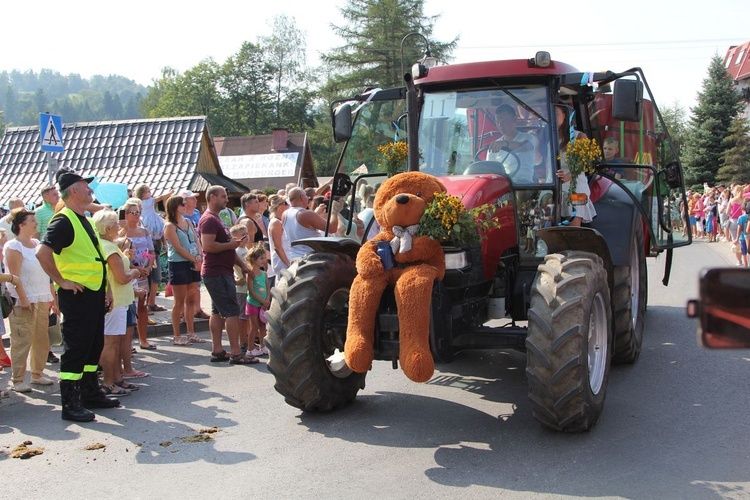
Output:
x=616 y=216
x=330 y=244
x=561 y=238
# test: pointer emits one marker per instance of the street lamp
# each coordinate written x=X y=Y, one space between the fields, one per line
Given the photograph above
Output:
x=428 y=60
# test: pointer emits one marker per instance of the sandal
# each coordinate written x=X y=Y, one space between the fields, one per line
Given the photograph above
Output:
x=181 y=341
x=150 y=347
x=201 y=315
x=218 y=357
x=156 y=307
x=115 y=390
x=127 y=385
x=195 y=339
x=135 y=375
x=4 y=394
x=241 y=359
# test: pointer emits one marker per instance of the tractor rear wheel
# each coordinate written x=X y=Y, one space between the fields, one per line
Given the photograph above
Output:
x=569 y=341
x=629 y=302
x=307 y=330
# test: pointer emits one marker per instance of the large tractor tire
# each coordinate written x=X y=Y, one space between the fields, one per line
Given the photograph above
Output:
x=629 y=302
x=307 y=330
x=569 y=341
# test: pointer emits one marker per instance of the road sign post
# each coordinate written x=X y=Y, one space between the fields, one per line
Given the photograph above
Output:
x=51 y=140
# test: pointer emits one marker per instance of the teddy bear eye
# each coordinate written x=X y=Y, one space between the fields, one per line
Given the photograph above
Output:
x=419 y=194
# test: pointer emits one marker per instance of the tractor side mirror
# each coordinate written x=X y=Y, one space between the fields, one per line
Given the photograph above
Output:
x=342 y=123
x=627 y=102
x=722 y=309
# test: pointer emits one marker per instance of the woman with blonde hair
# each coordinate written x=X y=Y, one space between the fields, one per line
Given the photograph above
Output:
x=144 y=260
x=119 y=280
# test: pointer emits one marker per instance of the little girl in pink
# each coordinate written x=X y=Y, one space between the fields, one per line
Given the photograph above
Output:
x=257 y=298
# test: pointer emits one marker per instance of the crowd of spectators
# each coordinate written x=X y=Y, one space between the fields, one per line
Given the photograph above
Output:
x=238 y=255
x=719 y=214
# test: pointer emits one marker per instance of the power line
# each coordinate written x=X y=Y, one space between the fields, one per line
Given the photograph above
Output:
x=647 y=45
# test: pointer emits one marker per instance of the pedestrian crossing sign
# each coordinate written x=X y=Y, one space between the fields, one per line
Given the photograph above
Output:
x=50 y=133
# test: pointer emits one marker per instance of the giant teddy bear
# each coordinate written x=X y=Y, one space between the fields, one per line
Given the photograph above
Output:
x=399 y=204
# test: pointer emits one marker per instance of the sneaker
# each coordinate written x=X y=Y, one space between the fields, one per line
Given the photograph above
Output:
x=21 y=387
x=265 y=351
x=256 y=352
x=51 y=358
x=41 y=381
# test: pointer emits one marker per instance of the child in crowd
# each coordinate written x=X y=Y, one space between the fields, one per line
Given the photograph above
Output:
x=257 y=298
x=239 y=232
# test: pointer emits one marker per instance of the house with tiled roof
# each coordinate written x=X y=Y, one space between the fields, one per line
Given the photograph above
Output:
x=737 y=63
x=166 y=153
x=262 y=161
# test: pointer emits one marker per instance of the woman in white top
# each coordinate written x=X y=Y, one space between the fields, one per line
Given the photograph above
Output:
x=34 y=297
x=277 y=240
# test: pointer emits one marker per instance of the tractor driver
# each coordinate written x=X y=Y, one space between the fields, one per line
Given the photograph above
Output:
x=521 y=144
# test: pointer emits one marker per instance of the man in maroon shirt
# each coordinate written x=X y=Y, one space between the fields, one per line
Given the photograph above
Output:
x=219 y=259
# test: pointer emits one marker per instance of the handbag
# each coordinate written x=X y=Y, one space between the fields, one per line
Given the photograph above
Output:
x=6 y=302
x=54 y=332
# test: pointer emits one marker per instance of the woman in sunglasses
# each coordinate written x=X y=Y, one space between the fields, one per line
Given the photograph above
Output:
x=144 y=259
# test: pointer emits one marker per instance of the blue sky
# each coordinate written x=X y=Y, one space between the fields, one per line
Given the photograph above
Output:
x=672 y=41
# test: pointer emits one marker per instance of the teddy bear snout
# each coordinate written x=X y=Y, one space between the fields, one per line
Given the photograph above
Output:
x=402 y=199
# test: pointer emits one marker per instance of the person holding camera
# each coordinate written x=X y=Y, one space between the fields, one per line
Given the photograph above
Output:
x=299 y=222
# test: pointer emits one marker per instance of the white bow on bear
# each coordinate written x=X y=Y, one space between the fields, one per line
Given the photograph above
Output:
x=402 y=242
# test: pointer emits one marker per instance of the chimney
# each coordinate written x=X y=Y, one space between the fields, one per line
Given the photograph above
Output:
x=280 y=137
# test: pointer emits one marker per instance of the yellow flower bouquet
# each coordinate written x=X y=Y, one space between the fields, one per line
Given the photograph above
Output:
x=394 y=157
x=583 y=155
x=447 y=220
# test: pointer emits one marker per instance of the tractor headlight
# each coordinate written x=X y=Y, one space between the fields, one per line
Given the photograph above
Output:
x=457 y=260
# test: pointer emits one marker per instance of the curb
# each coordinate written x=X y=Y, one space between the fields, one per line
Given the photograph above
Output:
x=165 y=329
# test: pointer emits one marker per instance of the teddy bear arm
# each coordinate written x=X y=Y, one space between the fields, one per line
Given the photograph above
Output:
x=368 y=262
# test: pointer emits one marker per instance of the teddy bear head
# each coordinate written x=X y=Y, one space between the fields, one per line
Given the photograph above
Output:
x=401 y=199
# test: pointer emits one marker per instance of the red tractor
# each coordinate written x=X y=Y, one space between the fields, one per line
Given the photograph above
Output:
x=572 y=298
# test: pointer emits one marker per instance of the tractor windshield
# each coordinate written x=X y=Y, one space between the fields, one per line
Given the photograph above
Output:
x=502 y=130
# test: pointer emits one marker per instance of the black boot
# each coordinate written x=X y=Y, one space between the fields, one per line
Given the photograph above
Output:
x=92 y=396
x=71 y=403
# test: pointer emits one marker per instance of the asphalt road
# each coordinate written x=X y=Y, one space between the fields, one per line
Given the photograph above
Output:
x=675 y=425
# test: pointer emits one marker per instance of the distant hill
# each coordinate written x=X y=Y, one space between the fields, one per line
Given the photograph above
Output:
x=23 y=95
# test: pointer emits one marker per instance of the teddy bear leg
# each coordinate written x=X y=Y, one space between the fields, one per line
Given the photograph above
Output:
x=414 y=297
x=364 y=299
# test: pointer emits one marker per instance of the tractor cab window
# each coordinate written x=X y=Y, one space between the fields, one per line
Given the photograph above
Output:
x=503 y=130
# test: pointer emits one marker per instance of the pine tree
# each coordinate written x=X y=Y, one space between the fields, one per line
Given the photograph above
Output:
x=736 y=159
x=718 y=104
x=371 y=54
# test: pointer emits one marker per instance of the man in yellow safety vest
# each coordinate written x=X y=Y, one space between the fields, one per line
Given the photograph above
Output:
x=70 y=254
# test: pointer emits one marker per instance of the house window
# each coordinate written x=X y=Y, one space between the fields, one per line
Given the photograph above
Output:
x=738 y=61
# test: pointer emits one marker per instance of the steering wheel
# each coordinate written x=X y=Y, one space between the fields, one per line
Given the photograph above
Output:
x=508 y=164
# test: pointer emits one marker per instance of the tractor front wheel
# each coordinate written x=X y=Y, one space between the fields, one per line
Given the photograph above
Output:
x=569 y=341
x=307 y=330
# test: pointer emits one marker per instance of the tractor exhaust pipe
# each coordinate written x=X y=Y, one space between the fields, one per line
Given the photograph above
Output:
x=411 y=124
